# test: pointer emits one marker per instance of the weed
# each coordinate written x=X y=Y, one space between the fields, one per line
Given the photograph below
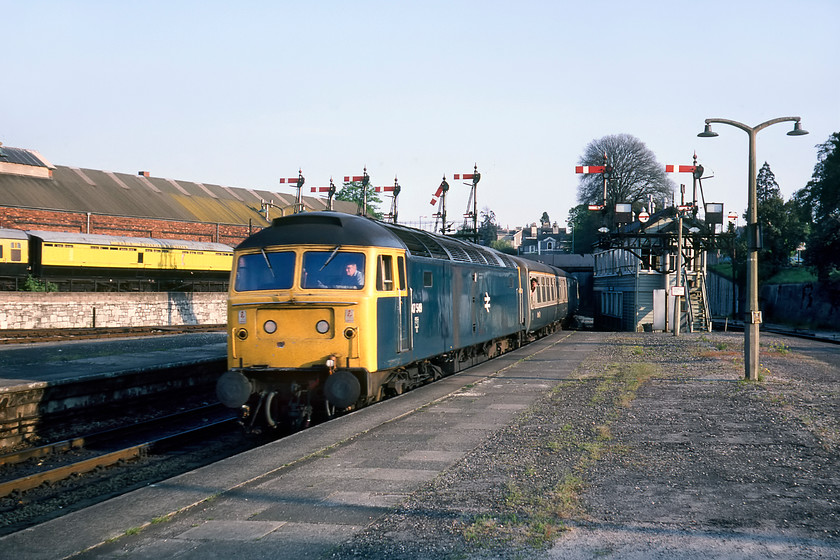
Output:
x=779 y=348
x=162 y=519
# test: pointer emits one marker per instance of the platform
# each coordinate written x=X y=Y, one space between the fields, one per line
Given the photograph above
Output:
x=60 y=362
x=300 y=496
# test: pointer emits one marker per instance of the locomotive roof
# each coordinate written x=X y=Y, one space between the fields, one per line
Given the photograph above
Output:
x=114 y=240
x=333 y=228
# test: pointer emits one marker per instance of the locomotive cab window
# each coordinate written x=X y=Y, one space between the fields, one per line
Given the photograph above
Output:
x=401 y=271
x=265 y=271
x=385 y=273
x=333 y=270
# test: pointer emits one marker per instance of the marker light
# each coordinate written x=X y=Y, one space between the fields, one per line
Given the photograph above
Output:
x=322 y=327
x=270 y=327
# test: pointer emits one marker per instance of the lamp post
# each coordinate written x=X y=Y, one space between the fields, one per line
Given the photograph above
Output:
x=753 y=314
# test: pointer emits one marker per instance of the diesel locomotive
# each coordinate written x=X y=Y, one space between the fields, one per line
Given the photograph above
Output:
x=90 y=262
x=329 y=312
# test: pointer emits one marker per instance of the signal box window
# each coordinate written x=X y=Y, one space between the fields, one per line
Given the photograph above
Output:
x=265 y=271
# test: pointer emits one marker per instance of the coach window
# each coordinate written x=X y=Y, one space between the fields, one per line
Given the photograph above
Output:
x=385 y=273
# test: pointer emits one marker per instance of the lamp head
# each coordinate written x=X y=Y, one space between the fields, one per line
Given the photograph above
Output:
x=708 y=133
x=797 y=130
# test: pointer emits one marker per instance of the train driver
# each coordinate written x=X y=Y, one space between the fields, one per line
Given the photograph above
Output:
x=353 y=277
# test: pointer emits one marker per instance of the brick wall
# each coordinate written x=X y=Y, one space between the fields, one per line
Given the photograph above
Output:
x=32 y=310
x=80 y=222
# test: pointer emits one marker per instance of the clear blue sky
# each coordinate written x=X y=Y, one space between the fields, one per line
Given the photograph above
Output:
x=243 y=93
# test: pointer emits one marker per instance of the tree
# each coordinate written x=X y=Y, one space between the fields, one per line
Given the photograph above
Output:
x=354 y=192
x=635 y=174
x=781 y=227
x=766 y=186
x=584 y=225
x=821 y=198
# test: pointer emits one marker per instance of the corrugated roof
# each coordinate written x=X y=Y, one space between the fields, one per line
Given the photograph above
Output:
x=21 y=156
x=121 y=194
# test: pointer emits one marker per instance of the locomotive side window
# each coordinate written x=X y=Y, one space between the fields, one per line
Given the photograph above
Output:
x=385 y=273
x=265 y=271
x=427 y=279
x=401 y=271
x=333 y=270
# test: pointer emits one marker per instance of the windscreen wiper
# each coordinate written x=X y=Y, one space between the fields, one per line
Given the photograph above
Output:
x=330 y=258
x=267 y=262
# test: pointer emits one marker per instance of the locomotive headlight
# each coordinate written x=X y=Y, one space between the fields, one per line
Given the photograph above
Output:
x=270 y=327
x=323 y=327
x=241 y=334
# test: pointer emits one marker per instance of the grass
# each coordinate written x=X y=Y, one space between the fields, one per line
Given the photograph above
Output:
x=794 y=275
x=533 y=516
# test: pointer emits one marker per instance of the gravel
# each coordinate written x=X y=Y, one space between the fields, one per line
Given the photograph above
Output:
x=658 y=449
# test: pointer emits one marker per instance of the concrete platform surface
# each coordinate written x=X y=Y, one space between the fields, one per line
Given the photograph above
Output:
x=301 y=496
x=47 y=363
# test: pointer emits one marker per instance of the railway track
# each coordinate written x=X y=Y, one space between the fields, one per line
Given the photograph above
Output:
x=106 y=448
x=21 y=336
x=831 y=337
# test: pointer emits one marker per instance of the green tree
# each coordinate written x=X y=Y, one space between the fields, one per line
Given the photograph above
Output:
x=584 y=226
x=503 y=246
x=766 y=186
x=781 y=225
x=821 y=200
x=635 y=174
x=354 y=192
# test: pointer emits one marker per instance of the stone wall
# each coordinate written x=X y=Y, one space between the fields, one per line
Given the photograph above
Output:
x=808 y=305
x=35 y=310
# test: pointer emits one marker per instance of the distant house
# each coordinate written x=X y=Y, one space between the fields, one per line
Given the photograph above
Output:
x=545 y=239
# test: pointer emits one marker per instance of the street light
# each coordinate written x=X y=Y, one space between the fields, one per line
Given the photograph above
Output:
x=753 y=313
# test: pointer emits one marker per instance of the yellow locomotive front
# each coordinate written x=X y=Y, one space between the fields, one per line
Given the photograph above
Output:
x=301 y=321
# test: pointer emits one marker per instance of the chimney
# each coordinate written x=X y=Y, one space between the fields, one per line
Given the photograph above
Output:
x=143 y=173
